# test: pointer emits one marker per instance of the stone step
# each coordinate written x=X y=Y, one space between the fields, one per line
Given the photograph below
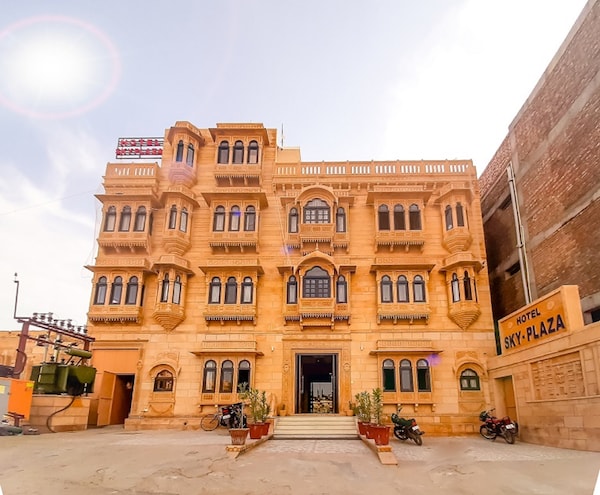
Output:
x=311 y=426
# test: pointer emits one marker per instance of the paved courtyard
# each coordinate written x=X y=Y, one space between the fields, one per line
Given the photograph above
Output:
x=114 y=461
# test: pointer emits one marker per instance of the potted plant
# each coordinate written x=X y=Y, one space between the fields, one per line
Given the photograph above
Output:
x=282 y=410
x=380 y=432
x=238 y=432
x=253 y=398
x=362 y=410
x=264 y=411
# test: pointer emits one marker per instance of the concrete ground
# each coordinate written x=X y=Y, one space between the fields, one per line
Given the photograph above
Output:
x=113 y=461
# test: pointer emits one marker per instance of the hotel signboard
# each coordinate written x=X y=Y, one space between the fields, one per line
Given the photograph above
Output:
x=555 y=314
x=128 y=148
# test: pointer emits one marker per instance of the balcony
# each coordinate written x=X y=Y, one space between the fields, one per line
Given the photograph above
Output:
x=464 y=313
x=133 y=242
x=457 y=239
x=311 y=312
x=115 y=314
x=182 y=174
x=403 y=312
x=238 y=175
x=169 y=315
x=239 y=241
x=390 y=239
x=131 y=179
x=176 y=242
x=230 y=312
x=321 y=236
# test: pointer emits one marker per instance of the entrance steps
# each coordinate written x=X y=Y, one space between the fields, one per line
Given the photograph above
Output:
x=315 y=426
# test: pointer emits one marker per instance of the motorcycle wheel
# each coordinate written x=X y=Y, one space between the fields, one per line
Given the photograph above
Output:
x=417 y=439
x=509 y=436
x=486 y=433
x=400 y=435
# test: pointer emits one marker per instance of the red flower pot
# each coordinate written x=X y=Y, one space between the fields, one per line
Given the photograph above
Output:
x=256 y=430
x=381 y=434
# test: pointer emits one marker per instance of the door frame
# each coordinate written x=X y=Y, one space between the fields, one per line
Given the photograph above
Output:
x=302 y=400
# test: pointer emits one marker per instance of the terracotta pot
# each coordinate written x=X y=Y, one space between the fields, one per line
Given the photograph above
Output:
x=266 y=426
x=362 y=427
x=256 y=430
x=381 y=434
x=368 y=431
x=238 y=435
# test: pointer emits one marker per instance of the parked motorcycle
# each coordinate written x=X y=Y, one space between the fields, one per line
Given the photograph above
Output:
x=407 y=428
x=232 y=416
x=493 y=427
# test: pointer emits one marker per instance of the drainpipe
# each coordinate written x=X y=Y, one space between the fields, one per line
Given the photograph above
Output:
x=512 y=187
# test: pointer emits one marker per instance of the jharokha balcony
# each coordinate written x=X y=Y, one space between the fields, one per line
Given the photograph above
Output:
x=115 y=314
x=321 y=236
x=403 y=312
x=311 y=312
x=124 y=241
x=403 y=239
x=241 y=241
x=230 y=312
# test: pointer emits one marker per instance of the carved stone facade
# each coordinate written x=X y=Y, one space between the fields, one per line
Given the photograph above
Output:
x=233 y=261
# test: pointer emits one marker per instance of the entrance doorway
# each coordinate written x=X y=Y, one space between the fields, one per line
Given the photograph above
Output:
x=316 y=383
x=116 y=394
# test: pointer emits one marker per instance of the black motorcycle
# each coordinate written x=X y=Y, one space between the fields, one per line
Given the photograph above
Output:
x=236 y=418
x=407 y=428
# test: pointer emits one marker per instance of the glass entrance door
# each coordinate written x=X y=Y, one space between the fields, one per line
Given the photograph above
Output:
x=316 y=383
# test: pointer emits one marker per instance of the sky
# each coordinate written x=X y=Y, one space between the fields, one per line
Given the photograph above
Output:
x=344 y=79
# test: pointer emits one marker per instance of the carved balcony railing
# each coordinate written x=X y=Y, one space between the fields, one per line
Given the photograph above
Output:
x=240 y=240
x=464 y=313
x=311 y=312
x=457 y=239
x=124 y=241
x=404 y=239
x=230 y=312
x=403 y=312
x=115 y=313
x=169 y=315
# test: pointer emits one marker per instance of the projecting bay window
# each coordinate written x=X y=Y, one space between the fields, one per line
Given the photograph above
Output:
x=224 y=374
x=164 y=291
x=316 y=283
x=317 y=211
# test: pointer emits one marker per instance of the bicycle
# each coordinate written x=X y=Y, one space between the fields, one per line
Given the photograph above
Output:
x=226 y=416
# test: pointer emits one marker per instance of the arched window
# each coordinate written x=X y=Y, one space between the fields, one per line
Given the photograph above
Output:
x=399 y=220
x=179 y=155
x=460 y=217
x=140 y=219
x=253 y=152
x=383 y=217
x=250 y=219
x=403 y=289
x=210 y=376
x=469 y=380
x=423 y=377
x=173 y=217
x=316 y=284
x=389 y=376
x=234 y=218
x=340 y=220
x=223 y=156
x=414 y=217
x=406 y=376
x=317 y=211
x=100 y=296
x=386 y=289
x=189 y=158
x=219 y=219
x=238 y=152
x=341 y=291
x=418 y=289
x=116 y=291
x=184 y=220
x=293 y=221
x=244 y=373
x=214 y=296
x=132 y=291
x=177 y=290
x=455 y=288
x=163 y=381
x=231 y=291
x=247 y=290
x=467 y=287
x=292 y=290
x=110 y=219
x=164 y=291
x=125 y=221
x=226 y=386
x=449 y=217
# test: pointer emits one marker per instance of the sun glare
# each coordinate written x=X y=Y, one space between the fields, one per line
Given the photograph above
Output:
x=55 y=67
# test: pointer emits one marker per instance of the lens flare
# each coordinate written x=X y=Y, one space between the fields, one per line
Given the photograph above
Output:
x=55 y=67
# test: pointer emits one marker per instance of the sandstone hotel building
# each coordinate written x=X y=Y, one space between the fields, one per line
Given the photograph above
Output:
x=231 y=260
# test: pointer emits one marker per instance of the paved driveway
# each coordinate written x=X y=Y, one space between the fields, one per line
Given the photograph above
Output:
x=114 y=461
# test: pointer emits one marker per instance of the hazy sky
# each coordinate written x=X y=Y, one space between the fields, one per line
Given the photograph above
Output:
x=348 y=80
